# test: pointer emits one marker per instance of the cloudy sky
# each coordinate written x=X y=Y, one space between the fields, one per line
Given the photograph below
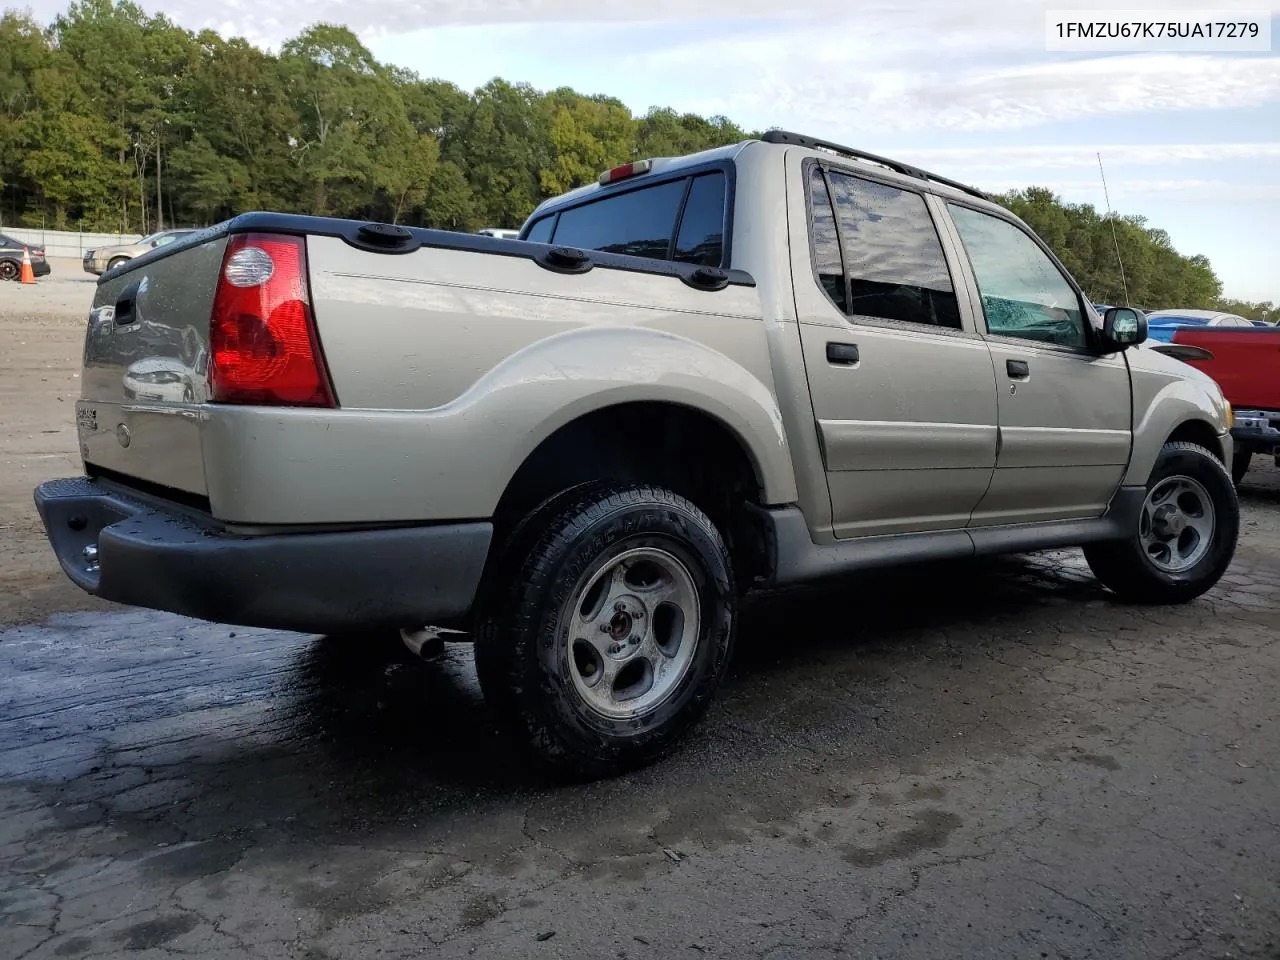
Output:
x=965 y=87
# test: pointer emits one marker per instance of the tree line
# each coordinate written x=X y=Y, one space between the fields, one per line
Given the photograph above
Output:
x=112 y=119
x=1123 y=260
x=116 y=120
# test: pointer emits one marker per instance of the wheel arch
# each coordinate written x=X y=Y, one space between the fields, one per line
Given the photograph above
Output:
x=608 y=432
x=685 y=448
x=1197 y=431
x=1183 y=410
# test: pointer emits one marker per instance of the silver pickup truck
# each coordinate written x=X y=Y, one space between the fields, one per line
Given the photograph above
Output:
x=765 y=364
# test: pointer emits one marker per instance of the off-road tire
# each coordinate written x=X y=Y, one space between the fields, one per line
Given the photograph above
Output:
x=523 y=654
x=1124 y=566
x=511 y=551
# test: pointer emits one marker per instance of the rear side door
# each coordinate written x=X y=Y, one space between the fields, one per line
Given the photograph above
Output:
x=1065 y=411
x=902 y=385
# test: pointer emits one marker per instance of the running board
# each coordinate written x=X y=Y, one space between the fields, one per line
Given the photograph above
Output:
x=795 y=558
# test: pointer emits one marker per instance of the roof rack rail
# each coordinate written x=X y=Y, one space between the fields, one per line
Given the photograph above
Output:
x=813 y=143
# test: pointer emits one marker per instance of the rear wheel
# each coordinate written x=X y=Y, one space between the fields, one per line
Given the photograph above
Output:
x=1240 y=465
x=1186 y=532
x=612 y=630
x=9 y=270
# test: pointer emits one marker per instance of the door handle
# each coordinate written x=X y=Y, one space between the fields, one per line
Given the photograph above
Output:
x=1017 y=369
x=124 y=310
x=845 y=354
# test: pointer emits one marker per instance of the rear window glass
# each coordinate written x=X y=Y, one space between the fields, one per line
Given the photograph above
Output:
x=701 y=237
x=657 y=222
x=540 y=232
x=639 y=223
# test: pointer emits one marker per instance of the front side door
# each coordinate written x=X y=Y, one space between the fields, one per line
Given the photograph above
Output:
x=1065 y=411
x=902 y=387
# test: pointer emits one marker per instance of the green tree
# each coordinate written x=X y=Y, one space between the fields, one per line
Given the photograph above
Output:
x=1117 y=259
x=235 y=111
x=126 y=64
x=585 y=136
x=502 y=145
x=450 y=201
x=330 y=76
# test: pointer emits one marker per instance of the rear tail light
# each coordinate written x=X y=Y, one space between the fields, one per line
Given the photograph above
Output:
x=262 y=334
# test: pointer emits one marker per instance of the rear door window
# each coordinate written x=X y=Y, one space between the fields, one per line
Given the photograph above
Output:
x=826 y=244
x=893 y=258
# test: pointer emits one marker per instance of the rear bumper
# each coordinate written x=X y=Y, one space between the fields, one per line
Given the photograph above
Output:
x=1257 y=430
x=41 y=268
x=149 y=554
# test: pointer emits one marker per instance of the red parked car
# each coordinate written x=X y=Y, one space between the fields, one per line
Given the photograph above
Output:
x=1245 y=361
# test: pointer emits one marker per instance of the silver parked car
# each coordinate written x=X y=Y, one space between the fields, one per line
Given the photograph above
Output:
x=108 y=258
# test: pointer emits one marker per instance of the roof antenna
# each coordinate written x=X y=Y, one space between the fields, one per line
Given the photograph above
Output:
x=1114 y=238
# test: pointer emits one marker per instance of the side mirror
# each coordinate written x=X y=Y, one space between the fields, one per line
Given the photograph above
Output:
x=1124 y=327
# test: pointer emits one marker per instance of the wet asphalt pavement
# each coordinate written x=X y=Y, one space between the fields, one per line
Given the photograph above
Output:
x=978 y=760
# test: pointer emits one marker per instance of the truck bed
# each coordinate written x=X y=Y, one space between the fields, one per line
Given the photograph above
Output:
x=385 y=305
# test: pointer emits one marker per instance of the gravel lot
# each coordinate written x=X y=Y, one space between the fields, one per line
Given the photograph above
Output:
x=979 y=760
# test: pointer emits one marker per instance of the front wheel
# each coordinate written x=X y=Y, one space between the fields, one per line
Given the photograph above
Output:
x=610 y=635
x=1186 y=533
x=117 y=262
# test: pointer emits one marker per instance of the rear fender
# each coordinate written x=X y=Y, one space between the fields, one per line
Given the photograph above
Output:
x=562 y=378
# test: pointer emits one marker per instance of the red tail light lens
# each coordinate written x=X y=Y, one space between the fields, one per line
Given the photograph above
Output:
x=262 y=334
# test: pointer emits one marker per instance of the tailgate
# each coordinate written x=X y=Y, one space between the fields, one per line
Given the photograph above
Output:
x=146 y=361
x=1245 y=363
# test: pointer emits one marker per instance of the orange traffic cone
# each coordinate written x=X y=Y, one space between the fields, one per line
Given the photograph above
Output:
x=28 y=275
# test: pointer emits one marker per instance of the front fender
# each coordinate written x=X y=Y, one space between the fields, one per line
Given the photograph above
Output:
x=1166 y=399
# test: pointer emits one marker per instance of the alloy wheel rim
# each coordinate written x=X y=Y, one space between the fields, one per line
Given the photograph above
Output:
x=1177 y=524
x=632 y=630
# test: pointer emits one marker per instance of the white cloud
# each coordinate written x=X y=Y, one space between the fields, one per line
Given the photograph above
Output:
x=915 y=23
x=872 y=93
x=865 y=69
x=1060 y=157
